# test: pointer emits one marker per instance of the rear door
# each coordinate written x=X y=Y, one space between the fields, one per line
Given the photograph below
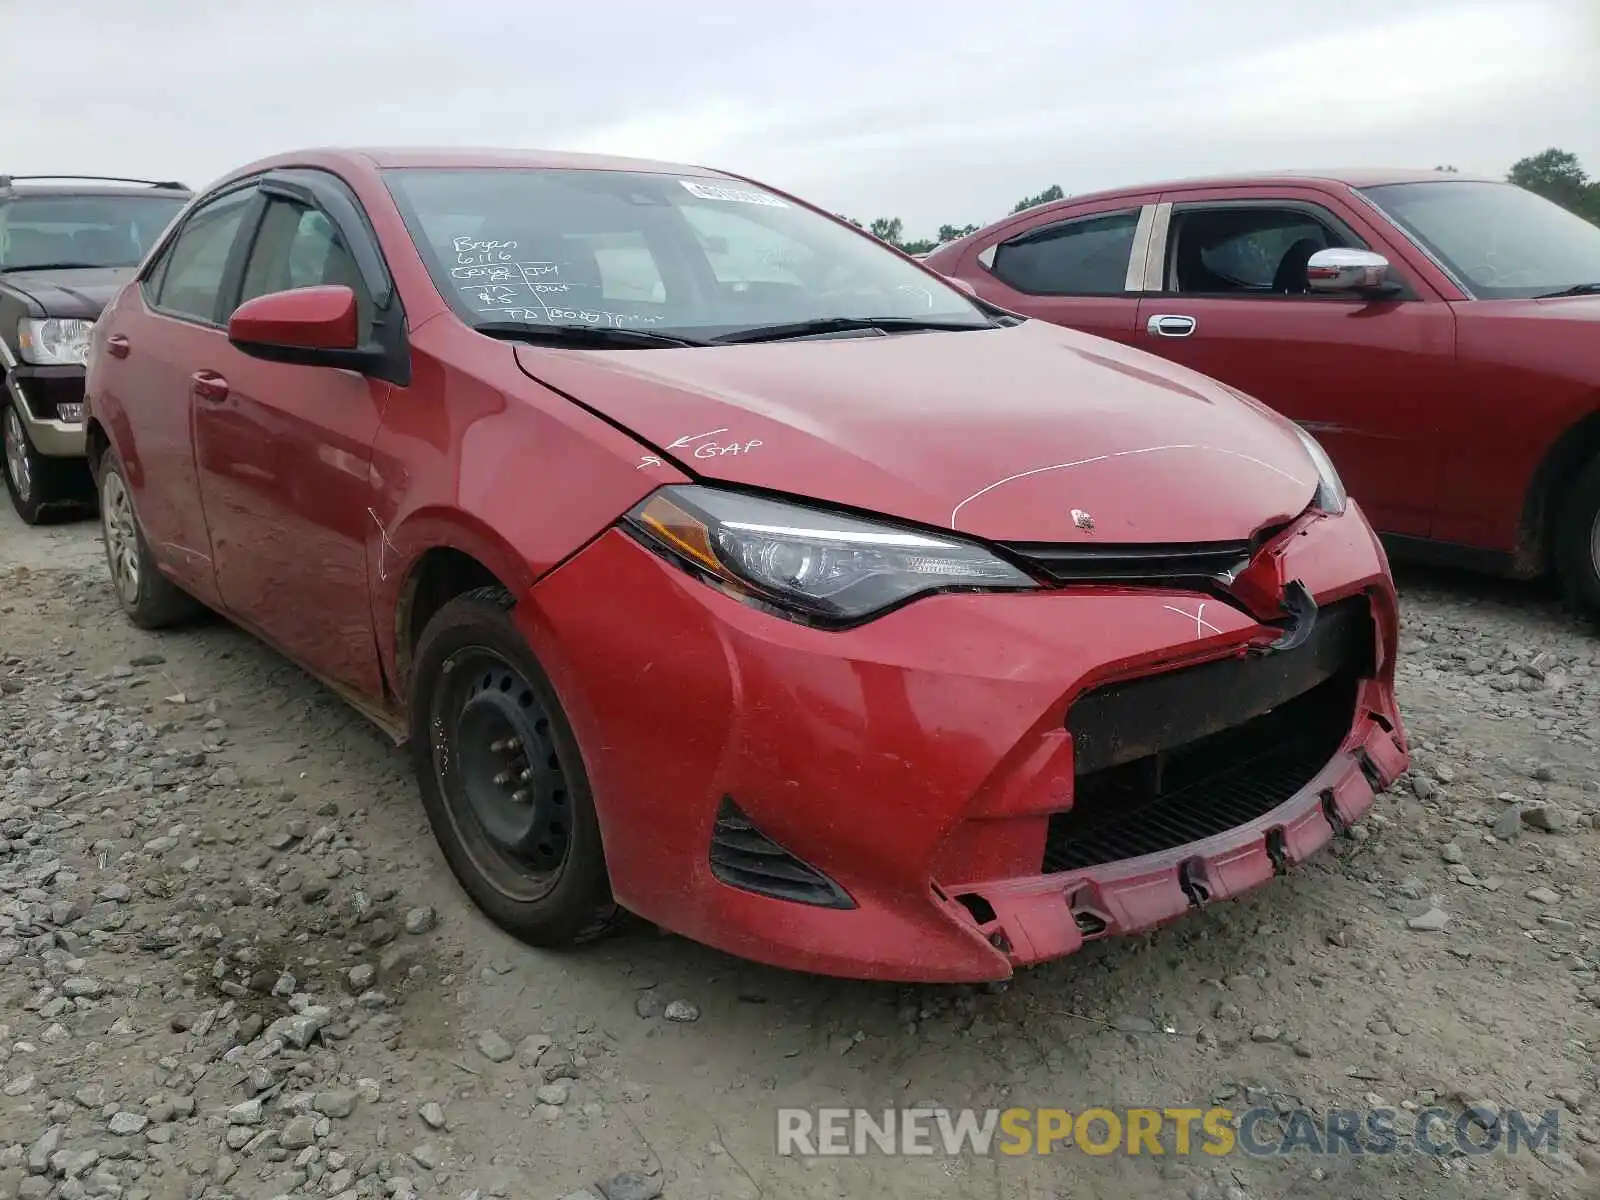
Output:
x=285 y=453
x=1368 y=377
x=156 y=332
x=1079 y=266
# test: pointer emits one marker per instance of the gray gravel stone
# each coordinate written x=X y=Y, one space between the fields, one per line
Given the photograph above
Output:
x=1432 y=921
x=494 y=1047
x=630 y=1185
x=126 y=1124
x=421 y=920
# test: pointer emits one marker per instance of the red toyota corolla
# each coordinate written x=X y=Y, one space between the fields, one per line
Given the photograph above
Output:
x=722 y=564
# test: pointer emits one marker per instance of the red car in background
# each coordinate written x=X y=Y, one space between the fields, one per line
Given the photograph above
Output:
x=1438 y=333
x=718 y=561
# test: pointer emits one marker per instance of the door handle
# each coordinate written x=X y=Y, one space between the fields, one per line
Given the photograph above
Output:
x=117 y=345
x=208 y=385
x=1170 y=325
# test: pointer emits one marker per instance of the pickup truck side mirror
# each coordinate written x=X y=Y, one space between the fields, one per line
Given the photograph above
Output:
x=1347 y=270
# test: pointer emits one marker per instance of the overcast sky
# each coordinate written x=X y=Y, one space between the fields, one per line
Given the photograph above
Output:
x=933 y=111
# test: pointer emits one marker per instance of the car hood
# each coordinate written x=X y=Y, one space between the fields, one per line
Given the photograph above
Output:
x=82 y=292
x=1027 y=433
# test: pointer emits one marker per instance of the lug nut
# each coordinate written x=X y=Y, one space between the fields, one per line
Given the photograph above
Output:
x=503 y=778
x=520 y=796
x=527 y=775
x=507 y=746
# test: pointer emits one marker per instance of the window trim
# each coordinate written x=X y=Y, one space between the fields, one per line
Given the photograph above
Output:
x=1163 y=270
x=162 y=260
x=1133 y=269
x=326 y=192
x=387 y=352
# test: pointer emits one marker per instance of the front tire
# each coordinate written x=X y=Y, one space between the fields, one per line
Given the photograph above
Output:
x=502 y=781
x=147 y=597
x=41 y=489
x=1577 y=548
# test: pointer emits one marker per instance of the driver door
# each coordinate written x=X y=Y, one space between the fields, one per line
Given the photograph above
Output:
x=284 y=454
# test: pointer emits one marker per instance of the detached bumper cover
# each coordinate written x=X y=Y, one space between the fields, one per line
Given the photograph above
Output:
x=971 y=783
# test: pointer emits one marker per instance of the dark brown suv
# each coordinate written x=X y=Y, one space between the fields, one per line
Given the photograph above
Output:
x=67 y=245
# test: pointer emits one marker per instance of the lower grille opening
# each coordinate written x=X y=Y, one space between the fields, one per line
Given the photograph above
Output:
x=1194 y=791
x=744 y=857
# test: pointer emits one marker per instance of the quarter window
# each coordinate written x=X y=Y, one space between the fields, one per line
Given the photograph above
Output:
x=191 y=277
x=1087 y=257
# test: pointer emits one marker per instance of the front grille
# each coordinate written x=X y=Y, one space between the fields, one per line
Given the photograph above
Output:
x=1172 y=758
x=1189 y=562
x=744 y=857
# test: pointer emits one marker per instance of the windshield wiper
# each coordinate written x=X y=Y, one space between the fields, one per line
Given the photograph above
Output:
x=820 y=325
x=60 y=266
x=603 y=336
x=1577 y=289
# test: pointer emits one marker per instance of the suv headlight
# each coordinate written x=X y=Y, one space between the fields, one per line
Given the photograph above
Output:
x=1331 y=496
x=54 y=341
x=810 y=564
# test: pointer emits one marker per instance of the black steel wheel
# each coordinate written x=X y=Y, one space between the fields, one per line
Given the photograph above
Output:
x=502 y=773
x=502 y=779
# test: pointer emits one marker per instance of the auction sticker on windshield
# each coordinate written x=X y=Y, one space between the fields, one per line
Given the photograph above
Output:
x=717 y=191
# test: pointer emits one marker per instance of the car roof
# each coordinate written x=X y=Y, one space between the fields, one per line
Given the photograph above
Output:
x=1357 y=177
x=389 y=157
x=87 y=185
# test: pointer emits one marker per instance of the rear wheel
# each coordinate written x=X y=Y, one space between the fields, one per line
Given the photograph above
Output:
x=502 y=781
x=1577 y=549
x=41 y=489
x=147 y=597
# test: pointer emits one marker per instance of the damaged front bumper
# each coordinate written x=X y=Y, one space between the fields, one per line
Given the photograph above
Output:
x=972 y=783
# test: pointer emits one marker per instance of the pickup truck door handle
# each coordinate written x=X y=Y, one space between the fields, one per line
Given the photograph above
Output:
x=208 y=385
x=1170 y=325
x=117 y=345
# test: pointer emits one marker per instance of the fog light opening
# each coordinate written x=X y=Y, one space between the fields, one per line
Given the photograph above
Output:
x=981 y=910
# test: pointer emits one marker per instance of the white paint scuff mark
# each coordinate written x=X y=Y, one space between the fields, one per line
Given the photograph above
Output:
x=1083 y=462
x=1197 y=616
x=694 y=437
x=648 y=460
x=384 y=545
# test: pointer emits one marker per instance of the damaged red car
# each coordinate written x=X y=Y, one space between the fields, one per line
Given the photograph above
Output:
x=722 y=565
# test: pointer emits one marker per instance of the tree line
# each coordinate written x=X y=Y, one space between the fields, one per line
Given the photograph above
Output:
x=1554 y=174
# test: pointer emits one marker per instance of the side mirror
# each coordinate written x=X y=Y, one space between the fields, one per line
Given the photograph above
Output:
x=1346 y=270
x=310 y=326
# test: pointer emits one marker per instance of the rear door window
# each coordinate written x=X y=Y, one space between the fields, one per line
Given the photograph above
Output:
x=1085 y=257
x=191 y=278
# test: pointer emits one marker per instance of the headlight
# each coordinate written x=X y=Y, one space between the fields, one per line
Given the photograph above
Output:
x=1330 y=497
x=54 y=341
x=809 y=563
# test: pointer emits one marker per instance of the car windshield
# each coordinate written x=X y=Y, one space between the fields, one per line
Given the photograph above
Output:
x=81 y=231
x=693 y=256
x=1502 y=241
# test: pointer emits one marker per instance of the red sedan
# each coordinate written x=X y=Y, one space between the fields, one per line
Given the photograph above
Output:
x=721 y=564
x=1439 y=333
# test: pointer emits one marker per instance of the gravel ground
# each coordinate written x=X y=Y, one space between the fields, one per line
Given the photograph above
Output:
x=233 y=965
